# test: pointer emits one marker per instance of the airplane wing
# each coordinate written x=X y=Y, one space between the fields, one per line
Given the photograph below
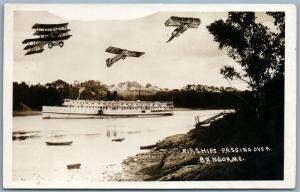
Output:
x=37 y=48
x=33 y=51
x=178 y=21
x=29 y=47
x=114 y=50
x=48 y=26
x=173 y=21
x=47 y=39
x=193 y=22
x=49 y=32
x=37 y=45
x=134 y=53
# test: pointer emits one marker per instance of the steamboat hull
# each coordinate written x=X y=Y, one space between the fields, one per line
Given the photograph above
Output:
x=79 y=109
x=86 y=116
x=75 y=113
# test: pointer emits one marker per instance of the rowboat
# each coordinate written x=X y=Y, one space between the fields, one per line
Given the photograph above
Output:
x=118 y=139
x=59 y=143
x=147 y=147
x=74 y=166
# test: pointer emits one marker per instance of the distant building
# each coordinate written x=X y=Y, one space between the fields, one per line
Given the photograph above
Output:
x=122 y=86
x=131 y=87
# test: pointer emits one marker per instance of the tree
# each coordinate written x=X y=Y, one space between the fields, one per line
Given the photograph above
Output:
x=148 y=85
x=91 y=89
x=256 y=48
x=279 y=41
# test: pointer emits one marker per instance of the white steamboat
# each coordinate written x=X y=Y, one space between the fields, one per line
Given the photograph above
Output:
x=101 y=109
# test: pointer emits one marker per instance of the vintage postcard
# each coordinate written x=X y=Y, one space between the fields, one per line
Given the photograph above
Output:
x=149 y=96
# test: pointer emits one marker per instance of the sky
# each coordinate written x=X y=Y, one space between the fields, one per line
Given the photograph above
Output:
x=192 y=58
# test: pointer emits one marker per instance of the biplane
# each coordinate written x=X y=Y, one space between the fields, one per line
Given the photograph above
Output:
x=51 y=34
x=182 y=24
x=121 y=54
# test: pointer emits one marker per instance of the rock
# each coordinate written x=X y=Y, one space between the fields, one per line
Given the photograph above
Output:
x=166 y=161
x=143 y=163
x=182 y=173
x=175 y=160
x=173 y=141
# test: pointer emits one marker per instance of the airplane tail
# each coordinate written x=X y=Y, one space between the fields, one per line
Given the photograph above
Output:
x=111 y=61
x=171 y=38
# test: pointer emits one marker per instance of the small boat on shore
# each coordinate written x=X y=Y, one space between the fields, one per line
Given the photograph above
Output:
x=74 y=166
x=118 y=139
x=59 y=143
x=147 y=147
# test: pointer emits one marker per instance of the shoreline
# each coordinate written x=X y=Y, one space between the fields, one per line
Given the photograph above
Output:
x=197 y=108
x=35 y=112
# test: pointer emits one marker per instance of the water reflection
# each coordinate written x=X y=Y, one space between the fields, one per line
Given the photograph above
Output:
x=92 y=143
x=111 y=132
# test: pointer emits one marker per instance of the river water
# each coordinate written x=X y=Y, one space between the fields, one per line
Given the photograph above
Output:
x=92 y=146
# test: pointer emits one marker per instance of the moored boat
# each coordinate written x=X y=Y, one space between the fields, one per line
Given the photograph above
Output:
x=118 y=139
x=74 y=166
x=59 y=143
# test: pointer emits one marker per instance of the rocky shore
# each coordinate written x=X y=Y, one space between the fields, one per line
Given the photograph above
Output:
x=225 y=150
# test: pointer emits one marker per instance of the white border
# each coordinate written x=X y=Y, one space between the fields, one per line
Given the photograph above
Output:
x=290 y=100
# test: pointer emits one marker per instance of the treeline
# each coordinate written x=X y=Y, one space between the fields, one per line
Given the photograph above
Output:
x=201 y=96
x=211 y=100
x=51 y=94
x=192 y=96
